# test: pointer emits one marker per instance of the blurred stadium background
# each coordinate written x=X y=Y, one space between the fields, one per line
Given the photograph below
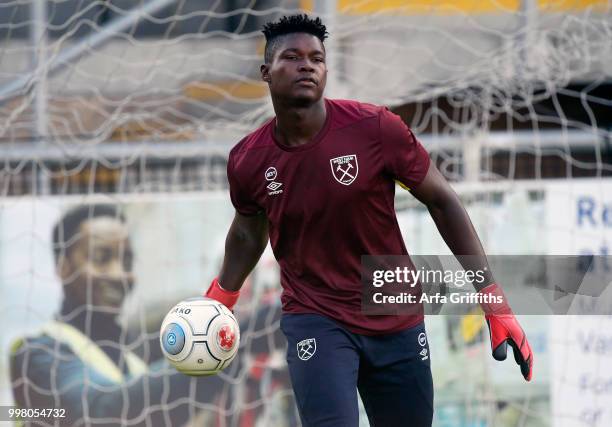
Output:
x=137 y=102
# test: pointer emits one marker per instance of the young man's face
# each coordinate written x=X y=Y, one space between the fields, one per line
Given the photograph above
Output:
x=298 y=71
x=97 y=268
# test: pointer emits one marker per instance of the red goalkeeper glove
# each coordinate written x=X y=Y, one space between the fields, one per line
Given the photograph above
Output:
x=505 y=329
x=216 y=292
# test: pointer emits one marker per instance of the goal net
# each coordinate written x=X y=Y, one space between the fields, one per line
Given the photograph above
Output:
x=134 y=105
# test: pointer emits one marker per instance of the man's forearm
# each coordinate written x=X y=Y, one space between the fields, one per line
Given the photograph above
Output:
x=243 y=248
x=456 y=229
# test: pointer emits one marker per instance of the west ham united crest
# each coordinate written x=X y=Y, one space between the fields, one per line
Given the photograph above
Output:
x=306 y=348
x=345 y=169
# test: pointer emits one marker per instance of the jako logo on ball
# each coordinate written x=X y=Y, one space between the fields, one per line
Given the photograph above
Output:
x=199 y=336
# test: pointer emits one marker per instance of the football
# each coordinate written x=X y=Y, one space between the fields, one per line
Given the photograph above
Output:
x=199 y=336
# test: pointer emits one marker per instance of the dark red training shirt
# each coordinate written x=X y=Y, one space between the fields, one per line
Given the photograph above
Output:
x=328 y=202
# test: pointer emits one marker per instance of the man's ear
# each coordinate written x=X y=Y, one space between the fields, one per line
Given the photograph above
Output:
x=265 y=73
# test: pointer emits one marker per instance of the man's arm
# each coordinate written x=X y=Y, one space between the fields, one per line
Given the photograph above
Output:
x=245 y=242
x=453 y=223
x=457 y=230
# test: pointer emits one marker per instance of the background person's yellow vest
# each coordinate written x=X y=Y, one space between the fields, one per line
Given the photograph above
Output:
x=91 y=354
x=88 y=352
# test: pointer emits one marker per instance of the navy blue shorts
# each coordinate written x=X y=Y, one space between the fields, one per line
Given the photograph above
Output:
x=328 y=364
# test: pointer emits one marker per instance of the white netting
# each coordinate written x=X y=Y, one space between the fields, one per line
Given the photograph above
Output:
x=122 y=97
x=180 y=72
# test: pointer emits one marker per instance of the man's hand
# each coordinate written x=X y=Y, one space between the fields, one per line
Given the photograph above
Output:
x=504 y=329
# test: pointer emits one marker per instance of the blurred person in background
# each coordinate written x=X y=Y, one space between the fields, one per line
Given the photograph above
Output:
x=82 y=361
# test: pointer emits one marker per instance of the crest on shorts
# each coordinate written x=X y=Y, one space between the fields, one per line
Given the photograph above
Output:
x=345 y=168
x=306 y=348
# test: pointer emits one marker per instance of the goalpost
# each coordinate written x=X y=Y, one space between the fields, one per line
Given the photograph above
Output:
x=137 y=103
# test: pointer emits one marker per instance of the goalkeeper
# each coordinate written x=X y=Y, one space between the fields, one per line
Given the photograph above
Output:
x=318 y=180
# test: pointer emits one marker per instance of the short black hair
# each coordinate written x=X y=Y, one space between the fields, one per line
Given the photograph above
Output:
x=67 y=227
x=289 y=25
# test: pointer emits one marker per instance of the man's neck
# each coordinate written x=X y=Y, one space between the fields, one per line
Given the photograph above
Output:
x=298 y=125
x=96 y=324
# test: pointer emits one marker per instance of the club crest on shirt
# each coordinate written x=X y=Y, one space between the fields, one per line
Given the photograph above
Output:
x=306 y=348
x=345 y=168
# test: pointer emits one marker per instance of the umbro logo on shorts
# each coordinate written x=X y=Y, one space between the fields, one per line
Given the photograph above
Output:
x=423 y=354
x=306 y=348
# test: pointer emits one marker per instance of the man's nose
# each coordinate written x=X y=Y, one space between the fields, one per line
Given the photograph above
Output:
x=117 y=272
x=306 y=66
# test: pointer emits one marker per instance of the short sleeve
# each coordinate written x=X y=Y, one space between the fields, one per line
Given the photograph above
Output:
x=405 y=158
x=241 y=200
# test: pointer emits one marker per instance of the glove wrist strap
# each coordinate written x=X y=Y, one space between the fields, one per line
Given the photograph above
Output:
x=225 y=297
x=494 y=301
